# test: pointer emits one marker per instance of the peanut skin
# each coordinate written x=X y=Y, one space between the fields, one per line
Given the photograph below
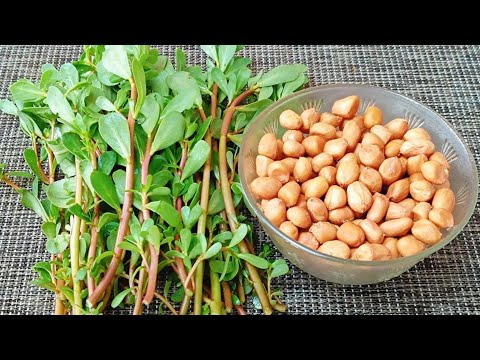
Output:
x=265 y=187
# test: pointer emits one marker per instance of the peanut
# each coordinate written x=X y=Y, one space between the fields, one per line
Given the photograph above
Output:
x=351 y=234
x=371 y=155
x=444 y=199
x=359 y=197
x=302 y=170
x=372 y=231
x=372 y=139
x=339 y=216
x=399 y=190
x=409 y=245
x=414 y=163
x=422 y=190
x=380 y=252
x=317 y=209
x=290 y=120
x=379 y=208
x=309 y=117
x=417 y=133
x=441 y=218
x=306 y=238
x=373 y=116
x=329 y=173
x=336 y=148
x=363 y=253
x=268 y=146
x=372 y=179
x=346 y=107
x=278 y=170
x=382 y=132
x=397 y=211
x=293 y=148
x=290 y=162
x=299 y=217
x=321 y=160
x=289 y=193
x=397 y=227
x=313 y=145
x=391 y=244
x=261 y=165
x=434 y=172
x=302 y=201
x=397 y=127
x=335 y=248
x=392 y=148
x=328 y=132
x=421 y=211
x=347 y=173
x=390 y=170
x=265 y=187
x=289 y=229
x=323 y=231
x=275 y=211
x=295 y=135
x=426 y=231
x=439 y=157
x=335 y=198
x=351 y=133
x=330 y=119
x=417 y=146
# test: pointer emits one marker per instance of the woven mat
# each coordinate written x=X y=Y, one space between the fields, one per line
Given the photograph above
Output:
x=447 y=78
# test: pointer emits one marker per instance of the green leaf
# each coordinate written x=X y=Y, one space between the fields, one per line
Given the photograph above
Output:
x=238 y=64
x=59 y=105
x=95 y=268
x=28 y=125
x=177 y=296
x=203 y=242
x=229 y=267
x=218 y=266
x=182 y=83
x=210 y=50
x=256 y=261
x=58 y=244
x=222 y=237
x=265 y=92
x=292 y=86
x=190 y=216
x=73 y=143
x=105 y=219
x=151 y=112
x=80 y=275
x=105 y=188
x=202 y=130
x=49 y=229
x=120 y=297
x=225 y=55
x=255 y=105
x=25 y=91
x=65 y=290
x=167 y=212
x=170 y=131
x=31 y=159
x=76 y=209
x=140 y=83
x=181 y=61
x=220 y=80
x=103 y=103
x=280 y=268
x=159 y=191
x=216 y=204
x=212 y=251
x=128 y=246
x=69 y=75
x=61 y=193
x=22 y=174
x=181 y=102
x=107 y=161
x=186 y=238
x=197 y=157
x=114 y=130
x=86 y=170
x=154 y=237
x=8 y=107
x=239 y=235
x=115 y=60
x=282 y=74
x=49 y=77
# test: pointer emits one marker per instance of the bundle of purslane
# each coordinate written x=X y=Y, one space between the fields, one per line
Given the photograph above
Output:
x=134 y=173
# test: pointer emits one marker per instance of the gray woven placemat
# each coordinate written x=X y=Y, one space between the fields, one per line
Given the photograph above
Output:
x=447 y=78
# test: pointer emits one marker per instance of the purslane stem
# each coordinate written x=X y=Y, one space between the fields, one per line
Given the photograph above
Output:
x=126 y=209
x=94 y=232
x=75 y=244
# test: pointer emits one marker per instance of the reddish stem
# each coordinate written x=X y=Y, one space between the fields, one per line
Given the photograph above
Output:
x=126 y=211
x=240 y=310
x=94 y=233
x=227 y=296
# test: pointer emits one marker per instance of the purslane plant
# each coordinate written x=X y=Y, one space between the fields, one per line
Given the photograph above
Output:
x=148 y=184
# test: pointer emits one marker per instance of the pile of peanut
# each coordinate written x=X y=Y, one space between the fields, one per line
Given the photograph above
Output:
x=346 y=185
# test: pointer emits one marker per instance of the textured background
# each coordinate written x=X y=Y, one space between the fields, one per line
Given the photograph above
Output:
x=446 y=78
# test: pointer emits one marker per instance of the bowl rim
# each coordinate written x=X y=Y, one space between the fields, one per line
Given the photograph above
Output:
x=420 y=256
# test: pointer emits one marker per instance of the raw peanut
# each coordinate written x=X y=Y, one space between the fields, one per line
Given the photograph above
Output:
x=439 y=157
x=290 y=162
x=302 y=201
x=278 y=170
x=293 y=135
x=417 y=133
x=317 y=209
x=397 y=227
x=330 y=119
x=340 y=216
x=335 y=198
x=313 y=145
x=390 y=170
x=434 y=172
x=371 y=155
x=372 y=231
x=392 y=148
x=363 y=253
x=397 y=127
x=397 y=211
x=373 y=116
x=391 y=244
x=306 y=238
x=382 y=132
x=359 y=120
x=329 y=173
x=352 y=133
x=289 y=229
x=372 y=179
x=358 y=216
x=293 y=149
x=414 y=163
x=422 y=190
x=309 y=117
x=399 y=190
x=409 y=245
x=372 y=139
x=357 y=221
x=268 y=146
x=316 y=187
x=409 y=204
x=326 y=131
x=263 y=204
x=323 y=231
x=261 y=165
x=416 y=147
x=381 y=252
x=336 y=148
x=416 y=177
x=280 y=154
x=302 y=170
x=444 y=199
x=289 y=193
x=446 y=184
x=299 y=217
x=426 y=231
x=351 y=234
x=356 y=151
x=441 y=218
x=359 y=197
x=421 y=211
x=321 y=160
x=379 y=208
x=347 y=173
x=290 y=120
x=346 y=107
x=265 y=187
x=276 y=211
x=335 y=248
x=350 y=157
x=339 y=133
x=403 y=163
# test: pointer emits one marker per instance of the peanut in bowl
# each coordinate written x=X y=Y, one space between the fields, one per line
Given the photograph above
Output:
x=360 y=186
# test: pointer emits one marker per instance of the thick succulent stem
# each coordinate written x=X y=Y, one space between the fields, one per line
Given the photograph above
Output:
x=75 y=245
x=94 y=232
